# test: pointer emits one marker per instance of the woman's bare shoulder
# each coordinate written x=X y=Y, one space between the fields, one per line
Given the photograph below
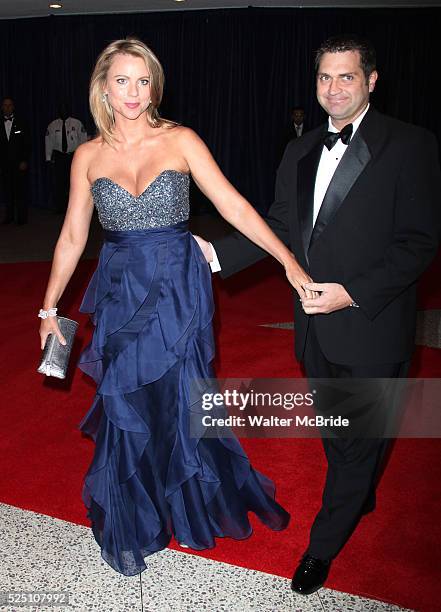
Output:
x=86 y=153
x=90 y=147
x=184 y=135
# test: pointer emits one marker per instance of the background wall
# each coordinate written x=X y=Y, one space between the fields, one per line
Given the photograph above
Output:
x=232 y=75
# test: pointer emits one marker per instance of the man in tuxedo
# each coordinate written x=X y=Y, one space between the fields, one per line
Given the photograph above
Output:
x=14 y=161
x=295 y=128
x=297 y=122
x=357 y=200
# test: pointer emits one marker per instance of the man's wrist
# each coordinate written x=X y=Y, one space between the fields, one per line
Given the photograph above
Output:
x=352 y=302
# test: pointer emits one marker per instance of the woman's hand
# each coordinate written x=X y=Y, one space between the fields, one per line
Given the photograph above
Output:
x=50 y=326
x=298 y=279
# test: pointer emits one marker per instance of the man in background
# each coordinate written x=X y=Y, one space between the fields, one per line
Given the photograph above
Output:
x=14 y=163
x=295 y=128
x=297 y=122
x=63 y=136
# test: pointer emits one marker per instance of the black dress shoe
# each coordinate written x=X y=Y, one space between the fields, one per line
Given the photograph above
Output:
x=310 y=575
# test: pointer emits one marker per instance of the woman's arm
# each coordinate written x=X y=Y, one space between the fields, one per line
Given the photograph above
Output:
x=235 y=209
x=72 y=239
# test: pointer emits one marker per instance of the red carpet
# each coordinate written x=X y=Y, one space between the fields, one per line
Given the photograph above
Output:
x=44 y=456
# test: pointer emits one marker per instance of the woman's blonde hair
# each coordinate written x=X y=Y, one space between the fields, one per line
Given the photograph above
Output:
x=100 y=108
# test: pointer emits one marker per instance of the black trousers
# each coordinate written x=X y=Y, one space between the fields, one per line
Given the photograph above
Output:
x=14 y=192
x=61 y=169
x=354 y=463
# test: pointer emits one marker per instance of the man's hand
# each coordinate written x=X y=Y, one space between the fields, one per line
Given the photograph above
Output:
x=332 y=297
x=205 y=247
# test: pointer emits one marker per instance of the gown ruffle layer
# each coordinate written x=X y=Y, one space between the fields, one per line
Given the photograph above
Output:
x=151 y=303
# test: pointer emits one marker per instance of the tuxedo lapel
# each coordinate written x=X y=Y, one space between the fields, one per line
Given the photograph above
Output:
x=4 y=137
x=306 y=172
x=349 y=169
x=13 y=130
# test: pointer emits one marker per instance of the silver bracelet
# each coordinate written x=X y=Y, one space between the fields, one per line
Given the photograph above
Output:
x=44 y=314
x=354 y=305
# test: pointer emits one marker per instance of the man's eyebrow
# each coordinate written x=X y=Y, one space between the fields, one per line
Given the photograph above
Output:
x=340 y=75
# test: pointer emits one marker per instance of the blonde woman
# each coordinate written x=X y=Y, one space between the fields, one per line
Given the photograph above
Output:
x=150 y=300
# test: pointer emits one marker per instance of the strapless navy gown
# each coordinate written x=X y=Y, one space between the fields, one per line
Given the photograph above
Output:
x=151 y=302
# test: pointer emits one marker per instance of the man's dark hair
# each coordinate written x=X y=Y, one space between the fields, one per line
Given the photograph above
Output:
x=349 y=42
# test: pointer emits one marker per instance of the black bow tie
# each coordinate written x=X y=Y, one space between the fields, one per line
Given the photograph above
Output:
x=9 y=118
x=331 y=137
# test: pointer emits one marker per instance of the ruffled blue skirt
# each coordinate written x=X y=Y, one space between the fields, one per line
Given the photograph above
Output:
x=151 y=302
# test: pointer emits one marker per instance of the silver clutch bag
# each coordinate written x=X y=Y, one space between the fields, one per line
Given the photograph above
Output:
x=55 y=357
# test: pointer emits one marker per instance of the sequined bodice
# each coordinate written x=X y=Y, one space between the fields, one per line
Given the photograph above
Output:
x=164 y=202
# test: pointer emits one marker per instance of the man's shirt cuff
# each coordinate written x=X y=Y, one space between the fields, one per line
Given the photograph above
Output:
x=214 y=263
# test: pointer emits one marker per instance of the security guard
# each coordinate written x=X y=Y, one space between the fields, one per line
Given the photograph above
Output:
x=63 y=136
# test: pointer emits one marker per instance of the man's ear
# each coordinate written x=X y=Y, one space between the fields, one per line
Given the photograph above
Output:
x=372 y=80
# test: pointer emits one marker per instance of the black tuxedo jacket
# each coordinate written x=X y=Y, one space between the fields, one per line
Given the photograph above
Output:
x=377 y=231
x=17 y=148
x=292 y=133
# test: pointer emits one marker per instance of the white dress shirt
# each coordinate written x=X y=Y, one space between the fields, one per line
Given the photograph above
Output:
x=76 y=135
x=8 y=126
x=329 y=161
x=298 y=129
